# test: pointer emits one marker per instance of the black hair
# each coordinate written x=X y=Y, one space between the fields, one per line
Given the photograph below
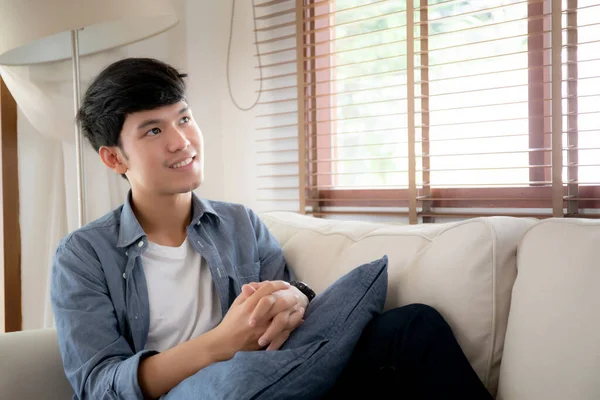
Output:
x=124 y=87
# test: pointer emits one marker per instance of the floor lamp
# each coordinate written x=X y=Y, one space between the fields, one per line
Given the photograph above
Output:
x=41 y=31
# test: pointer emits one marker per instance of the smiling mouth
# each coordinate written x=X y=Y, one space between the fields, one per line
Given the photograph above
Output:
x=182 y=163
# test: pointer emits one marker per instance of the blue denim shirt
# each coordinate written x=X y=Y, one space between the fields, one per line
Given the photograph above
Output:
x=100 y=298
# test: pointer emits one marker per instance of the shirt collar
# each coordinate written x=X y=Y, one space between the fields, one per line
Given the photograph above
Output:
x=201 y=207
x=131 y=230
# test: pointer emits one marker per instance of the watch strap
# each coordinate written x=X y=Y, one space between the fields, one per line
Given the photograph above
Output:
x=304 y=288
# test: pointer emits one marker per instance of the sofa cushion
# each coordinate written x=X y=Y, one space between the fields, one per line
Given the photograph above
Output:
x=463 y=269
x=31 y=367
x=314 y=355
x=552 y=348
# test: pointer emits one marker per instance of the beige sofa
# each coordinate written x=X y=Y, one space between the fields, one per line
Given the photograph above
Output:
x=520 y=295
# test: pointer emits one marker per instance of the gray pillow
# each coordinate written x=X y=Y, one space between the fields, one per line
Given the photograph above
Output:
x=313 y=357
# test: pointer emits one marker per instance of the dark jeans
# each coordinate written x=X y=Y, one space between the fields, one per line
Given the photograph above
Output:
x=409 y=353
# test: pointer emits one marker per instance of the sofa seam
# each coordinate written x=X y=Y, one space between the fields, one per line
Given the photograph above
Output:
x=347 y=236
x=569 y=221
x=383 y=225
x=488 y=368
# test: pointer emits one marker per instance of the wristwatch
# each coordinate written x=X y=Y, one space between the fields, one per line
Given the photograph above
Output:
x=304 y=288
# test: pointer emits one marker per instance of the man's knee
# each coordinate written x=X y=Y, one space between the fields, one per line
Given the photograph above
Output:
x=424 y=310
x=415 y=314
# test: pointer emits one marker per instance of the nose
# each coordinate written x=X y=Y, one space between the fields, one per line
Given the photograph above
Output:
x=177 y=140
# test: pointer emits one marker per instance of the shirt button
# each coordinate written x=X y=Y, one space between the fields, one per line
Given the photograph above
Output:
x=198 y=223
x=141 y=243
x=126 y=253
x=124 y=276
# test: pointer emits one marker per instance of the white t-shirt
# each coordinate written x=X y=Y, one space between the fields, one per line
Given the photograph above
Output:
x=184 y=302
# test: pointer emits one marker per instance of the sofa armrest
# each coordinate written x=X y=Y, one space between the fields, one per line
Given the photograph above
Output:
x=31 y=366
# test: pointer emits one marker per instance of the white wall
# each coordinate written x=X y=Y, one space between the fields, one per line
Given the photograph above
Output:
x=205 y=57
x=230 y=162
x=239 y=134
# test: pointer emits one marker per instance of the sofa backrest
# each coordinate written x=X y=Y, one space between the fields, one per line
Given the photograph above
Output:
x=552 y=349
x=464 y=269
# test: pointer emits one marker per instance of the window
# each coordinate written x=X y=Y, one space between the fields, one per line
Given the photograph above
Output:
x=450 y=107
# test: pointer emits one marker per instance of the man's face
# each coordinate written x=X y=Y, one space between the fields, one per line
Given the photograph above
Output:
x=163 y=150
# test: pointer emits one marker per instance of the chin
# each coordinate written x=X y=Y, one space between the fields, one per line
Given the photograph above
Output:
x=190 y=186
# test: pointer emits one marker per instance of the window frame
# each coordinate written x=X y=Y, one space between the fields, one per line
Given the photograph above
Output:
x=535 y=196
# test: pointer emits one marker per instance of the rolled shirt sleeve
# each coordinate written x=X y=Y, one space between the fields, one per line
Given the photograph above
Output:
x=273 y=265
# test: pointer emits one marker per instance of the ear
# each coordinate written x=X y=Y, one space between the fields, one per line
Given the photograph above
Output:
x=113 y=158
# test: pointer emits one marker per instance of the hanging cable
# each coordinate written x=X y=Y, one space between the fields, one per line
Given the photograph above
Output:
x=257 y=54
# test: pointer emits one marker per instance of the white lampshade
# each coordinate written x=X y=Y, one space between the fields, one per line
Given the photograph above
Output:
x=38 y=31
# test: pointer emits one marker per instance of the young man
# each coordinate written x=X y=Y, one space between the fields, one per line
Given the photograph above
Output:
x=168 y=284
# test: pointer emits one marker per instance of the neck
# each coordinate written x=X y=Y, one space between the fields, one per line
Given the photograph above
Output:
x=164 y=218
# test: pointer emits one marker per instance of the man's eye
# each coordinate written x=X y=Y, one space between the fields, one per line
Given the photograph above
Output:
x=184 y=120
x=153 y=131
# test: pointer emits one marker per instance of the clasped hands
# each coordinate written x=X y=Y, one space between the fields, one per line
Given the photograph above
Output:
x=263 y=316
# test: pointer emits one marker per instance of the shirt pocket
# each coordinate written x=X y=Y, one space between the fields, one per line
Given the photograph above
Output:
x=247 y=273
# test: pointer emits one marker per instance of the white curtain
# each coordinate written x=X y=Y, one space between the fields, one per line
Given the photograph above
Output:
x=47 y=172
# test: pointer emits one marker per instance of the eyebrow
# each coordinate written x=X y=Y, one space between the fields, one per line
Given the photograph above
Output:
x=155 y=121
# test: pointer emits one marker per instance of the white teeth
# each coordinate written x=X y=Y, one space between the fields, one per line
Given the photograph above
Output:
x=182 y=164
